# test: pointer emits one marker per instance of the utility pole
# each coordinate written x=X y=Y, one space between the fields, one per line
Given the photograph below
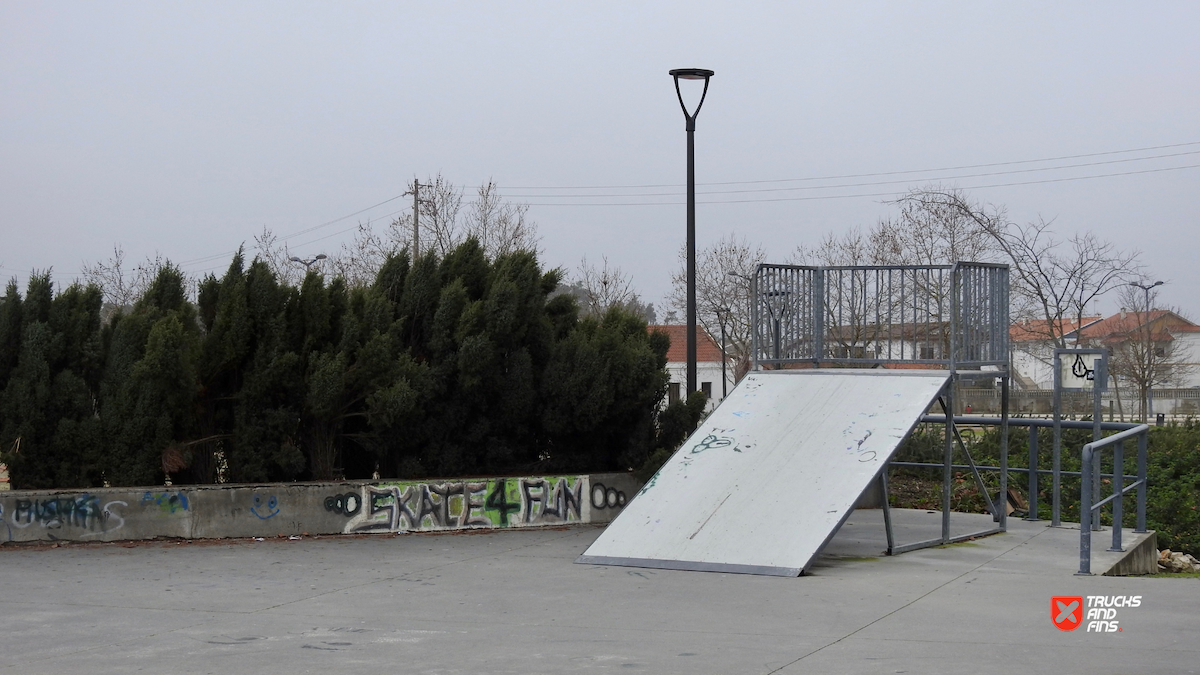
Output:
x=416 y=194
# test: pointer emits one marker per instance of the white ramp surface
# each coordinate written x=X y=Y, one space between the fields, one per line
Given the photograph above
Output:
x=769 y=477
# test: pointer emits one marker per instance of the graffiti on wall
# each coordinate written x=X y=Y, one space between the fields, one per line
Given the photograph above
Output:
x=75 y=513
x=391 y=506
x=604 y=497
x=264 y=507
x=497 y=502
x=166 y=502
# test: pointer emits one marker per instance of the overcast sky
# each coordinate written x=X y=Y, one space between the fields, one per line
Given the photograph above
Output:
x=186 y=128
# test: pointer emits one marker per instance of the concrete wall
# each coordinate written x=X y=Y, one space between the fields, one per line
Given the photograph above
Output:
x=268 y=510
x=1040 y=403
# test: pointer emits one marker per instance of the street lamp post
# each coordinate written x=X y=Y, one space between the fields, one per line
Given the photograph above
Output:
x=1148 y=355
x=690 y=118
x=310 y=262
x=722 y=317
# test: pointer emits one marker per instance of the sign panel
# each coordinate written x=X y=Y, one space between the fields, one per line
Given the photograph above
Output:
x=1082 y=369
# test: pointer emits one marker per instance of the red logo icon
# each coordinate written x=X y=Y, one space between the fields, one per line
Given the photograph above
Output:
x=1066 y=611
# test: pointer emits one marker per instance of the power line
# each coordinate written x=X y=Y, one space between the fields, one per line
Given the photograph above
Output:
x=872 y=183
x=298 y=233
x=307 y=230
x=874 y=194
x=858 y=175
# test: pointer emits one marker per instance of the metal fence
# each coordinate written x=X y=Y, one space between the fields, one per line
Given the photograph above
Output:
x=953 y=316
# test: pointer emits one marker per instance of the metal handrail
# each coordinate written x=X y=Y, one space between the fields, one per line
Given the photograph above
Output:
x=1089 y=493
x=949 y=316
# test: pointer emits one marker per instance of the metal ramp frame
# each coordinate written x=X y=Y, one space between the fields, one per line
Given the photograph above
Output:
x=953 y=318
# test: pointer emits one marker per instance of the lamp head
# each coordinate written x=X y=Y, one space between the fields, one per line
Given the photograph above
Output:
x=295 y=259
x=691 y=73
x=320 y=256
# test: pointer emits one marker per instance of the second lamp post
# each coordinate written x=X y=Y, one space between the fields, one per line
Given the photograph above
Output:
x=690 y=117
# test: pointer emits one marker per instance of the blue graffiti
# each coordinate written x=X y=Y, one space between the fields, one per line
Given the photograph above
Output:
x=167 y=502
x=270 y=506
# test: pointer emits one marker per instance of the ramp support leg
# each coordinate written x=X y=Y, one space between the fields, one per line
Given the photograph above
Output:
x=947 y=459
x=1000 y=508
x=887 y=511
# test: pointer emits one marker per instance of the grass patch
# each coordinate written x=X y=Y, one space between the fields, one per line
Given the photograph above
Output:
x=1169 y=575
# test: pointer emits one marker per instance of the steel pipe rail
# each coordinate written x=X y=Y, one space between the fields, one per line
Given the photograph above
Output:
x=1089 y=499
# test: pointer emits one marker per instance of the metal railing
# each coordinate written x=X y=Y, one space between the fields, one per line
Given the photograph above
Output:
x=1090 y=475
x=954 y=316
x=1090 y=503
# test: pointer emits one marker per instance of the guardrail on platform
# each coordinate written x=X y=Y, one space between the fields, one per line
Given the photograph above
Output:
x=1089 y=491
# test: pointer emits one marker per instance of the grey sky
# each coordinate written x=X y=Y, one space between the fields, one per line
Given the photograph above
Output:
x=184 y=128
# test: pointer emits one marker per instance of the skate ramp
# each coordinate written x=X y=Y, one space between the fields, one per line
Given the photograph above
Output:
x=770 y=476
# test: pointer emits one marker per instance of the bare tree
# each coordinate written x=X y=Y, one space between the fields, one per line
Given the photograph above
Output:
x=855 y=247
x=123 y=287
x=598 y=290
x=723 y=301
x=275 y=253
x=1143 y=350
x=119 y=285
x=358 y=261
x=501 y=227
x=938 y=231
x=443 y=201
x=1052 y=280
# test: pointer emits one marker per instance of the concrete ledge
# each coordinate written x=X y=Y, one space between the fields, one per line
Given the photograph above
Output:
x=285 y=509
x=1140 y=556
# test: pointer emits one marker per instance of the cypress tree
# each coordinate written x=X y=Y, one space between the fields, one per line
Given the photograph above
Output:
x=49 y=433
x=148 y=393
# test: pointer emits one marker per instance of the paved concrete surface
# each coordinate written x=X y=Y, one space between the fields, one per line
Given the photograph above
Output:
x=514 y=601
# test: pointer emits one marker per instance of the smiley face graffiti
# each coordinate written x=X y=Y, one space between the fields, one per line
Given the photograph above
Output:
x=266 y=508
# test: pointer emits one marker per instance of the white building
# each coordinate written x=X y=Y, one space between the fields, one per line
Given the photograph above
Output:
x=708 y=365
x=1032 y=347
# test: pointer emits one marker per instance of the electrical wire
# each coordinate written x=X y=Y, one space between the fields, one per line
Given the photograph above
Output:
x=873 y=194
x=296 y=233
x=873 y=183
x=858 y=175
x=283 y=238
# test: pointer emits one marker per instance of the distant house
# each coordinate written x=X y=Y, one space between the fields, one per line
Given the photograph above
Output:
x=708 y=364
x=1032 y=347
x=1169 y=333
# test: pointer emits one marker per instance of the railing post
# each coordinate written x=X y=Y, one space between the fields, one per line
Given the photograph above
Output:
x=1033 y=474
x=1118 y=484
x=1085 y=513
x=1141 y=475
x=818 y=315
x=1003 y=513
x=947 y=458
x=1095 y=489
x=1056 y=459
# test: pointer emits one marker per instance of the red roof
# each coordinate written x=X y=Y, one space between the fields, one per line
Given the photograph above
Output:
x=1039 y=329
x=707 y=349
x=1118 y=326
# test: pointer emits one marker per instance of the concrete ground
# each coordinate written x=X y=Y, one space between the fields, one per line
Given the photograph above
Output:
x=515 y=602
